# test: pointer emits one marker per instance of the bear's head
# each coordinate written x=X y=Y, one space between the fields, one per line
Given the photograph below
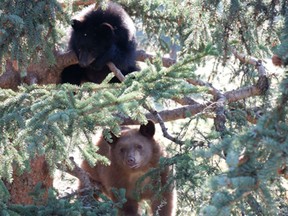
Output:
x=136 y=149
x=92 y=43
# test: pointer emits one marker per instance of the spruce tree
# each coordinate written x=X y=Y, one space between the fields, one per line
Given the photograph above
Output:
x=207 y=79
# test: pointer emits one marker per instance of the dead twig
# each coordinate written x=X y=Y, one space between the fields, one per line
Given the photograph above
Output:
x=162 y=125
x=116 y=71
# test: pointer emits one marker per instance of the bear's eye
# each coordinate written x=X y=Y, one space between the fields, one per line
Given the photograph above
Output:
x=122 y=150
x=139 y=147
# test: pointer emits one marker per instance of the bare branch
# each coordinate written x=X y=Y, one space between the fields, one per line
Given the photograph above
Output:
x=162 y=125
x=116 y=71
x=250 y=60
x=185 y=101
x=50 y=74
x=142 y=55
x=172 y=114
x=220 y=118
x=263 y=83
x=211 y=90
x=87 y=184
x=239 y=94
x=79 y=173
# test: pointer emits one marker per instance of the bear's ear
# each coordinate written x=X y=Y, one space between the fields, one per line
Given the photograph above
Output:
x=148 y=130
x=114 y=138
x=107 y=30
x=76 y=24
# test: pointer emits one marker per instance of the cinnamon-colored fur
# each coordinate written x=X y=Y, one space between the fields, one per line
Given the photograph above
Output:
x=131 y=156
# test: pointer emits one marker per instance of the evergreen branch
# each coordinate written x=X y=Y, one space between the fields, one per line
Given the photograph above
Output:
x=114 y=102
x=45 y=74
x=211 y=90
x=80 y=3
x=119 y=75
x=64 y=59
x=41 y=122
x=254 y=205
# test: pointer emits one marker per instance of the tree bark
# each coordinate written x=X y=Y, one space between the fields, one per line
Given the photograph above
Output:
x=24 y=184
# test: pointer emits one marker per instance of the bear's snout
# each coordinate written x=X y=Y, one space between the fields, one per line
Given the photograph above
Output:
x=131 y=162
x=85 y=59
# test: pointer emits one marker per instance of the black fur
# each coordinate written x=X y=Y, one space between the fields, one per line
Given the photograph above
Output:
x=98 y=37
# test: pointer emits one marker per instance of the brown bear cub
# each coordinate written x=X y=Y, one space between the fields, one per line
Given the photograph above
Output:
x=131 y=156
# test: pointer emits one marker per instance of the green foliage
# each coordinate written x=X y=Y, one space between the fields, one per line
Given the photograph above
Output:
x=28 y=30
x=63 y=207
x=189 y=24
x=264 y=145
x=282 y=49
x=57 y=120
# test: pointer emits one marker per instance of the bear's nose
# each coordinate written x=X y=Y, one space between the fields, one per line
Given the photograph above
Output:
x=85 y=59
x=131 y=161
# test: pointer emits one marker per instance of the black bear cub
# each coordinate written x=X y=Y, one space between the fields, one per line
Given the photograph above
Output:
x=101 y=35
x=131 y=156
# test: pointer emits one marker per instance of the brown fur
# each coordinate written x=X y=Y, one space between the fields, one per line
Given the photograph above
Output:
x=131 y=156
